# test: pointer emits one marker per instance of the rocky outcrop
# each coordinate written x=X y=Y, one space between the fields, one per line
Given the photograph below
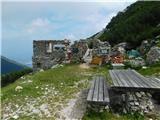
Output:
x=153 y=56
x=137 y=62
x=139 y=102
x=132 y=102
x=145 y=46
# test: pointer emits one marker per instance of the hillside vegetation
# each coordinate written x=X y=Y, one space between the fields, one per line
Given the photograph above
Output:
x=41 y=95
x=137 y=22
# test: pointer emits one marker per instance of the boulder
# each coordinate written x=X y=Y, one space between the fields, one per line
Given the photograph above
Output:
x=153 y=56
x=18 y=88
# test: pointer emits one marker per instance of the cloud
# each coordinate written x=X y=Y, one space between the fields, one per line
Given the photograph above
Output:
x=26 y=21
x=39 y=25
x=70 y=0
x=70 y=36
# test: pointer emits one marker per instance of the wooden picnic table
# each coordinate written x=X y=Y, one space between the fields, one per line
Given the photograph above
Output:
x=131 y=80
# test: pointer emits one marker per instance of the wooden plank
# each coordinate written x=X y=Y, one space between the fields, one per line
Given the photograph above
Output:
x=115 y=82
x=91 y=90
x=101 y=88
x=106 y=94
x=135 y=81
x=142 y=78
x=123 y=78
x=151 y=82
x=116 y=78
x=157 y=80
x=131 y=78
x=154 y=83
x=96 y=90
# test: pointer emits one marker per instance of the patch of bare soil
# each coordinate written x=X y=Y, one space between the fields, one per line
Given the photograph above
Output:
x=75 y=108
x=84 y=66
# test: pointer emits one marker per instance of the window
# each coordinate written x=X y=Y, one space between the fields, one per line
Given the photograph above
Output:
x=49 y=47
x=38 y=65
x=58 y=47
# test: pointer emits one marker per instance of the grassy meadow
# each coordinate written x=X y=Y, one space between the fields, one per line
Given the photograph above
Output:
x=55 y=87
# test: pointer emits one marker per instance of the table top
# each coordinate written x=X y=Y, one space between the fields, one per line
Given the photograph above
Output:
x=131 y=79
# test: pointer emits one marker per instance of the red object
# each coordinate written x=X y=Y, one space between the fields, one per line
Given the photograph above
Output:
x=117 y=59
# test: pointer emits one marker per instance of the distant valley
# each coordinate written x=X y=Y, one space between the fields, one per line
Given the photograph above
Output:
x=8 y=65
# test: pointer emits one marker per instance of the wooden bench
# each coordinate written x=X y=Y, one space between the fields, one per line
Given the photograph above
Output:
x=98 y=93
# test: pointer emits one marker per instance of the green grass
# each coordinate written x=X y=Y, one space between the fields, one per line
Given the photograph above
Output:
x=151 y=70
x=63 y=79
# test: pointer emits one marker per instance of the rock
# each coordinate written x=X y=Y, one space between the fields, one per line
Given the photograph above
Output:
x=15 y=117
x=55 y=66
x=43 y=107
x=145 y=46
x=41 y=70
x=138 y=94
x=22 y=77
x=106 y=107
x=18 y=88
x=142 y=93
x=57 y=115
x=29 y=81
x=149 y=95
x=151 y=107
x=55 y=93
x=153 y=56
x=36 y=111
x=117 y=115
x=61 y=65
x=123 y=97
x=144 y=67
x=61 y=83
x=131 y=103
x=136 y=103
x=124 y=111
x=101 y=111
x=16 y=106
x=137 y=62
x=131 y=98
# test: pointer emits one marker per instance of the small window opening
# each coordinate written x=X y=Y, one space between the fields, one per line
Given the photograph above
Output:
x=39 y=65
x=49 y=47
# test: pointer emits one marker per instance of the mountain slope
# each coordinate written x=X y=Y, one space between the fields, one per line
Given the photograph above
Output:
x=8 y=65
x=137 y=22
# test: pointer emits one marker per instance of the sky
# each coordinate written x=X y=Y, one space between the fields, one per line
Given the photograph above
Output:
x=23 y=22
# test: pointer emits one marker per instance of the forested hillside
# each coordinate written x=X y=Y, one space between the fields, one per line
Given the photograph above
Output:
x=137 y=22
x=8 y=65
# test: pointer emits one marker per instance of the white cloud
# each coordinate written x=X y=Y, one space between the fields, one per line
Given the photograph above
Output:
x=70 y=36
x=71 y=0
x=97 y=21
x=39 y=25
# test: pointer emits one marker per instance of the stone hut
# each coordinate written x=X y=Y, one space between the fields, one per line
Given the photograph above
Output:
x=47 y=53
x=79 y=49
x=101 y=50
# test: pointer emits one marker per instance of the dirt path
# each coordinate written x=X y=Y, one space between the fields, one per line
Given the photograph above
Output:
x=75 y=108
x=84 y=66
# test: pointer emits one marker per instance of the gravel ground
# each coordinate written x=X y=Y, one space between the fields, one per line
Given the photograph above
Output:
x=75 y=108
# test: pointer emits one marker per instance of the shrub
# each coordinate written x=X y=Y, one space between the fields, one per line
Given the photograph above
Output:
x=13 y=76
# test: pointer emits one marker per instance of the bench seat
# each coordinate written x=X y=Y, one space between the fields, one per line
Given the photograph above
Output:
x=98 y=91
